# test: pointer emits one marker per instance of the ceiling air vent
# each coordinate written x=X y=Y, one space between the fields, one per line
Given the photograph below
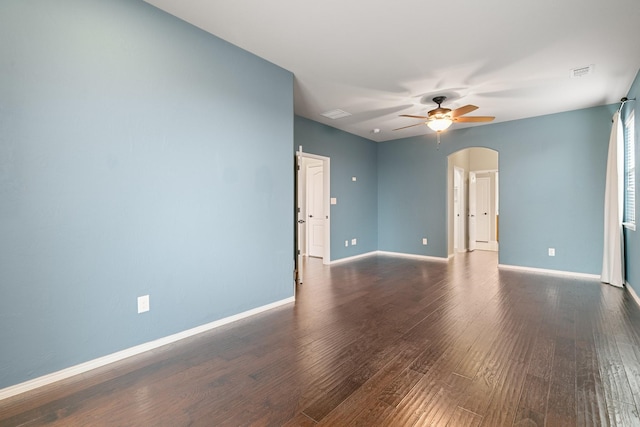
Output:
x=581 y=71
x=335 y=114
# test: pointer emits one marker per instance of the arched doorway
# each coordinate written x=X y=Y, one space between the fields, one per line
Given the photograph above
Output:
x=473 y=193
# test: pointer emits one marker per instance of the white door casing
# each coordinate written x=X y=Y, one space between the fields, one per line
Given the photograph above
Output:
x=326 y=169
x=300 y=222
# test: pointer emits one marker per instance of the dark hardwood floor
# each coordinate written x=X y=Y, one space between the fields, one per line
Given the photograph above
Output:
x=382 y=341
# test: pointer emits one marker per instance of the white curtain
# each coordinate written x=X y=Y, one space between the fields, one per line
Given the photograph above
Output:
x=613 y=256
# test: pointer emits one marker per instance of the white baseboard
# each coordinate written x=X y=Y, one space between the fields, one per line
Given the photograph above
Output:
x=14 y=390
x=351 y=258
x=396 y=254
x=633 y=293
x=549 y=272
x=414 y=256
x=491 y=245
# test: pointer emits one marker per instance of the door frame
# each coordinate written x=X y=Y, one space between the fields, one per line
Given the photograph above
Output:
x=326 y=168
x=307 y=221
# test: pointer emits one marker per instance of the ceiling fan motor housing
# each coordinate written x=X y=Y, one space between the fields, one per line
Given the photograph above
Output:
x=439 y=113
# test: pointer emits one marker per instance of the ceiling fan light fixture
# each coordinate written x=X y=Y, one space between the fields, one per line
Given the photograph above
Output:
x=439 y=125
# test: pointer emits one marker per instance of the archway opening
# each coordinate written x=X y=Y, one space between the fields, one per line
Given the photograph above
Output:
x=473 y=213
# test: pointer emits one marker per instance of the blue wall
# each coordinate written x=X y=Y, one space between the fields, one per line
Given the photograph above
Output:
x=135 y=151
x=552 y=172
x=632 y=238
x=412 y=196
x=356 y=213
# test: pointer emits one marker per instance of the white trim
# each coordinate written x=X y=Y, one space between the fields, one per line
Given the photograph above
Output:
x=633 y=293
x=487 y=171
x=396 y=254
x=459 y=225
x=549 y=272
x=326 y=169
x=629 y=225
x=44 y=380
x=491 y=245
x=414 y=256
x=352 y=258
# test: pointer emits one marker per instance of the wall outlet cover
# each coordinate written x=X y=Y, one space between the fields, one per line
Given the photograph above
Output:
x=143 y=304
x=346 y=243
x=424 y=241
x=353 y=242
x=552 y=252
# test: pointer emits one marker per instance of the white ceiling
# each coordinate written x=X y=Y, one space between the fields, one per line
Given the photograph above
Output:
x=377 y=59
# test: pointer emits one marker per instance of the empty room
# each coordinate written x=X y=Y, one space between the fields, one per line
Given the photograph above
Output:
x=291 y=213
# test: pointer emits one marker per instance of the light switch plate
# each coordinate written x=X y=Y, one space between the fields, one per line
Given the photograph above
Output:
x=552 y=252
x=143 y=304
x=334 y=201
x=353 y=178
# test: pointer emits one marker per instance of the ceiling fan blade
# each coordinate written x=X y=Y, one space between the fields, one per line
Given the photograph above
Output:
x=463 y=110
x=410 y=126
x=473 y=119
x=414 y=117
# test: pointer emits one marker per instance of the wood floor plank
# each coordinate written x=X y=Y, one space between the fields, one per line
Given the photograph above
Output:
x=561 y=403
x=503 y=404
x=463 y=418
x=591 y=408
x=630 y=357
x=366 y=396
x=386 y=341
x=614 y=376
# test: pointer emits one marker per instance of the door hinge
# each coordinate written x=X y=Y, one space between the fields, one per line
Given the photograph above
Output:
x=298 y=251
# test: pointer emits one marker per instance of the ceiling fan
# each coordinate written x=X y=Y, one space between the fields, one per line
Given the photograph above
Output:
x=441 y=118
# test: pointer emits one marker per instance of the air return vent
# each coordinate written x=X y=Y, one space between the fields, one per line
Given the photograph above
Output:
x=335 y=114
x=581 y=71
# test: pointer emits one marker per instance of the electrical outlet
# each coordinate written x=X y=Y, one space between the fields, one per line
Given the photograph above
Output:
x=354 y=179
x=143 y=303
x=346 y=243
x=424 y=241
x=353 y=242
x=552 y=252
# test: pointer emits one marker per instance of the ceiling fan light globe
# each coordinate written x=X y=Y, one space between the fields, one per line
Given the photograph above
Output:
x=439 y=125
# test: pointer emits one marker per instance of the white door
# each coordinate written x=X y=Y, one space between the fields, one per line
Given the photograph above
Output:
x=315 y=211
x=472 y=211
x=458 y=210
x=483 y=209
